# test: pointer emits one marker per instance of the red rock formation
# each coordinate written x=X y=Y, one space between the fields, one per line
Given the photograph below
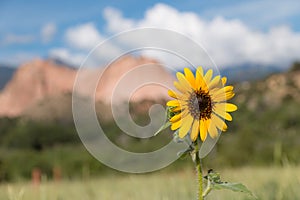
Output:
x=38 y=80
x=32 y=82
x=133 y=79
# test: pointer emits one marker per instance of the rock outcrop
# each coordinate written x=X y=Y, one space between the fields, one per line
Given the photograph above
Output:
x=33 y=82
x=127 y=79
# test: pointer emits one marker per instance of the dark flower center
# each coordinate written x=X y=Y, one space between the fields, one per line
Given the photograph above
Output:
x=200 y=105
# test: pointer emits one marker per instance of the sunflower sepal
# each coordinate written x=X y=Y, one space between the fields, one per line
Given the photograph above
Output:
x=170 y=113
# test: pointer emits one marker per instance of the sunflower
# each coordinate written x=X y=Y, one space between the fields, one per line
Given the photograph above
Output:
x=200 y=105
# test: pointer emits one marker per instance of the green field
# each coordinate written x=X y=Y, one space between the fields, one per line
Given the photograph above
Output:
x=262 y=134
x=267 y=183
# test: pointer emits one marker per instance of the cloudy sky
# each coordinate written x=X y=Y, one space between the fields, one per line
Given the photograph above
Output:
x=232 y=32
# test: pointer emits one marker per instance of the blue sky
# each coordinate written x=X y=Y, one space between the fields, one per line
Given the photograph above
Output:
x=33 y=28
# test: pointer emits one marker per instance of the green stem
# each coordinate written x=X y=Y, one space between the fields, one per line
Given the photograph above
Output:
x=208 y=189
x=199 y=172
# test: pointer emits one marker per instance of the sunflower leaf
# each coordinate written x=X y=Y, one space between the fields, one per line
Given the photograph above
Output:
x=168 y=115
x=185 y=152
x=236 y=187
x=176 y=137
x=217 y=184
x=163 y=127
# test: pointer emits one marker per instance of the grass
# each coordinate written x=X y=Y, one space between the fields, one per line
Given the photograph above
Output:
x=267 y=183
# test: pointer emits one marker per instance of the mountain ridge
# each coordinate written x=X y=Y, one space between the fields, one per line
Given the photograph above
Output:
x=38 y=80
x=38 y=83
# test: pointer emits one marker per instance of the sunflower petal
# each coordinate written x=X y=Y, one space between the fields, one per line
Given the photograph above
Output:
x=218 y=98
x=200 y=70
x=185 y=126
x=228 y=117
x=222 y=96
x=208 y=76
x=229 y=95
x=203 y=130
x=224 y=80
x=219 y=108
x=200 y=82
x=214 y=82
x=213 y=131
x=219 y=122
x=222 y=91
x=224 y=115
x=175 y=125
x=173 y=94
x=230 y=107
x=177 y=109
x=173 y=103
x=175 y=118
x=225 y=127
x=183 y=113
x=189 y=76
x=195 y=130
x=183 y=81
x=179 y=87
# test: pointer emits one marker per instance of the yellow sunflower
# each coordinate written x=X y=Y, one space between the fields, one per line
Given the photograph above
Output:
x=200 y=105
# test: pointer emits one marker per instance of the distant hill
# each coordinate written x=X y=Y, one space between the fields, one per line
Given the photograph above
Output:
x=270 y=92
x=42 y=84
x=249 y=72
x=6 y=73
x=245 y=72
x=38 y=83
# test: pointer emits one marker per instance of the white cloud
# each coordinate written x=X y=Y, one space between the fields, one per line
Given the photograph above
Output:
x=65 y=55
x=10 y=39
x=229 y=42
x=114 y=17
x=259 y=13
x=48 y=31
x=84 y=36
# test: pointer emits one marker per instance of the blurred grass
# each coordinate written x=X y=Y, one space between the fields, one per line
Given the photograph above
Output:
x=267 y=183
